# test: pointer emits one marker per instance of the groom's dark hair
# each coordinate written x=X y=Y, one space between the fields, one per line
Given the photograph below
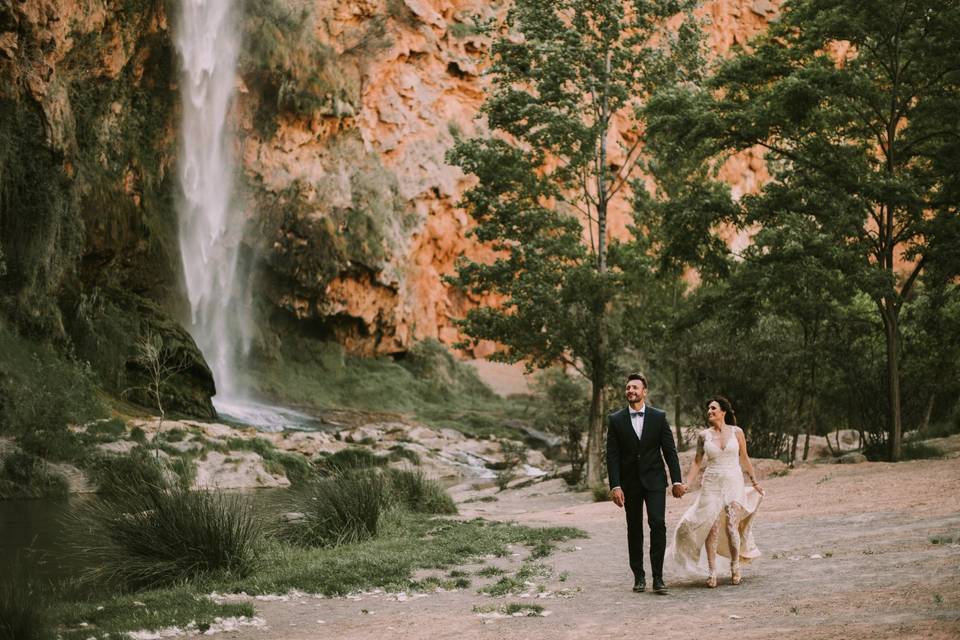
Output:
x=638 y=376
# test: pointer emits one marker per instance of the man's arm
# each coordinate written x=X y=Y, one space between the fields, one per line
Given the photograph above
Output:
x=669 y=449
x=613 y=463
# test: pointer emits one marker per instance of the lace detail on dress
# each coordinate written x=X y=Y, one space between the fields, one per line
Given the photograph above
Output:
x=725 y=508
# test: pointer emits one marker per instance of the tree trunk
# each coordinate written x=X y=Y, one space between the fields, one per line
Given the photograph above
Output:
x=891 y=330
x=793 y=447
x=927 y=414
x=595 y=438
x=806 y=444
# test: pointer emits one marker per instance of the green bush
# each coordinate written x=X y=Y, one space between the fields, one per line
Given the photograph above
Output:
x=58 y=445
x=350 y=459
x=919 y=450
x=146 y=539
x=24 y=475
x=24 y=606
x=417 y=493
x=107 y=430
x=118 y=475
x=339 y=510
x=39 y=390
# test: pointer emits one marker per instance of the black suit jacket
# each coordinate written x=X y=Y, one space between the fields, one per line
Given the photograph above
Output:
x=634 y=464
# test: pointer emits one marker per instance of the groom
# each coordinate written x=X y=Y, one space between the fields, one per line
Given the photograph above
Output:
x=638 y=441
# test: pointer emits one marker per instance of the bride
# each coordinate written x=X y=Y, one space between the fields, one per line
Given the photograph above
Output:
x=722 y=516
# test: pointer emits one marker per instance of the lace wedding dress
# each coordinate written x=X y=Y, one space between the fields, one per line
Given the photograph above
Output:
x=723 y=496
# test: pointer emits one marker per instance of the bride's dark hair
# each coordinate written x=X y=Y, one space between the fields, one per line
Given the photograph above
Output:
x=726 y=407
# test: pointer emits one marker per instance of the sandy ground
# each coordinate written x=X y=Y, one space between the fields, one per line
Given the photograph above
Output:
x=848 y=553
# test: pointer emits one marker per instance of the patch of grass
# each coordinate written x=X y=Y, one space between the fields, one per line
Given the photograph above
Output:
x=398 y=453
x=517 y=583
x=349 y=459
x=24 y=606
x=942 y=539
x=151 y=611
x=117 y=475
x=160 y=536
x=406 y=543
x=111 y=428
x=138 y=435
x=919 y=450
x=530 y=610
x=342 y=509
x=482 y=499
x=600 y=493
x=490 y=572
x=174 y=435
x=417 y=493
x=24 y=475
x=294 y=466
x=57 y=445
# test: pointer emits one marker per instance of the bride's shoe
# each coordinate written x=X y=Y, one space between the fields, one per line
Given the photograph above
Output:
x=735 y=577
x=712 y=580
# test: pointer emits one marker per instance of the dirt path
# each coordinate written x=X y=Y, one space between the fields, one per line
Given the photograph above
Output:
x=848 y=553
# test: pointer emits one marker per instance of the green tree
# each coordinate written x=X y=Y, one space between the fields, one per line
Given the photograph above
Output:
x=855 y=103
x=561 y=72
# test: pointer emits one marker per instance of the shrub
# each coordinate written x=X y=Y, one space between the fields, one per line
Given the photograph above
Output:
x=417 y=493
x=23 y=475
x=339 y=510
x=398 y=453
x=24 y=606
x=919 y=450
x=119 y=475
x=349 y=459
x=161 y=536
x=60 y=445
x=112 y=428
x=600 y=493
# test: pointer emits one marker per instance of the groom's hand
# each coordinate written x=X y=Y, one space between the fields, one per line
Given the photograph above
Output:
x=678 y=490
x=617 y=496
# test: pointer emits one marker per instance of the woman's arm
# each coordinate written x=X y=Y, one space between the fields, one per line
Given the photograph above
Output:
x=697 y=460
x=745 y=461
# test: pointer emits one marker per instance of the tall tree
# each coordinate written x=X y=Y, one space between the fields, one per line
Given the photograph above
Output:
x=856 y=104
x=562 y=71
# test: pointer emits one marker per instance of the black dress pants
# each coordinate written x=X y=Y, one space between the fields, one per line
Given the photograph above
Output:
x=656 y=502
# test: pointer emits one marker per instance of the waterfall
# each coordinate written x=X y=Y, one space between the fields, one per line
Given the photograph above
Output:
x=207 y=41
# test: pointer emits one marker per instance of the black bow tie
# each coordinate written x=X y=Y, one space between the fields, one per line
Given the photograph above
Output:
x=636 y=413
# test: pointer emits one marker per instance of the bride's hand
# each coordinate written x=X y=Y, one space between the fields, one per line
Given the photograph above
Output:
x=759 y=489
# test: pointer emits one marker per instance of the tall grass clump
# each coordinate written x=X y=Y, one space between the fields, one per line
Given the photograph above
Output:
x=350 y=459
x=24 y=606
x=157 y=536
x=341 y=509
x=118 y=475
x=417 y=493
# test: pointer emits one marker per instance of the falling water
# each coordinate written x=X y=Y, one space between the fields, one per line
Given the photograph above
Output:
x=210 y=227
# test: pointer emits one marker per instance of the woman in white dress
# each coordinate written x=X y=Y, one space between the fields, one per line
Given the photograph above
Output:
x=722 y=516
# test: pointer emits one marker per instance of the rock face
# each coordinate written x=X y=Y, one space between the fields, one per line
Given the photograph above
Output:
x=344 y=114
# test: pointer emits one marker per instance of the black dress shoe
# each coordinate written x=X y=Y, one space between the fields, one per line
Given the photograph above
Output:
x=659 y=587
x=640 y=585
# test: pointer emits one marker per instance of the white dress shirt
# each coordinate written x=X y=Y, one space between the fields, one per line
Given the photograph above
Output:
x=637 y=420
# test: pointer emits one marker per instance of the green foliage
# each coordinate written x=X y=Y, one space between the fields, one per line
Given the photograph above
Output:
x=40 y=390
x=293 y=71
x=342 y=509
x=160 y=535
x=24 y=605
x=545 y=182
x=849 y=100
x=117 y=475
x=41 y=232
x=112 y=617
x=23 y=475
x=407 y=542
x=565 y=412
x=349 y=459
x=417 y=493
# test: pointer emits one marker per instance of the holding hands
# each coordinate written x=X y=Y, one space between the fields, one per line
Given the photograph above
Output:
x=678 y=490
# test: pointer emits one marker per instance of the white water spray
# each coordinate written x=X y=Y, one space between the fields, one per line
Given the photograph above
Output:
x=210 y=227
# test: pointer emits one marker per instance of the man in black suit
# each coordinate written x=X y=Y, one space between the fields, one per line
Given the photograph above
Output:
x=638 y=441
